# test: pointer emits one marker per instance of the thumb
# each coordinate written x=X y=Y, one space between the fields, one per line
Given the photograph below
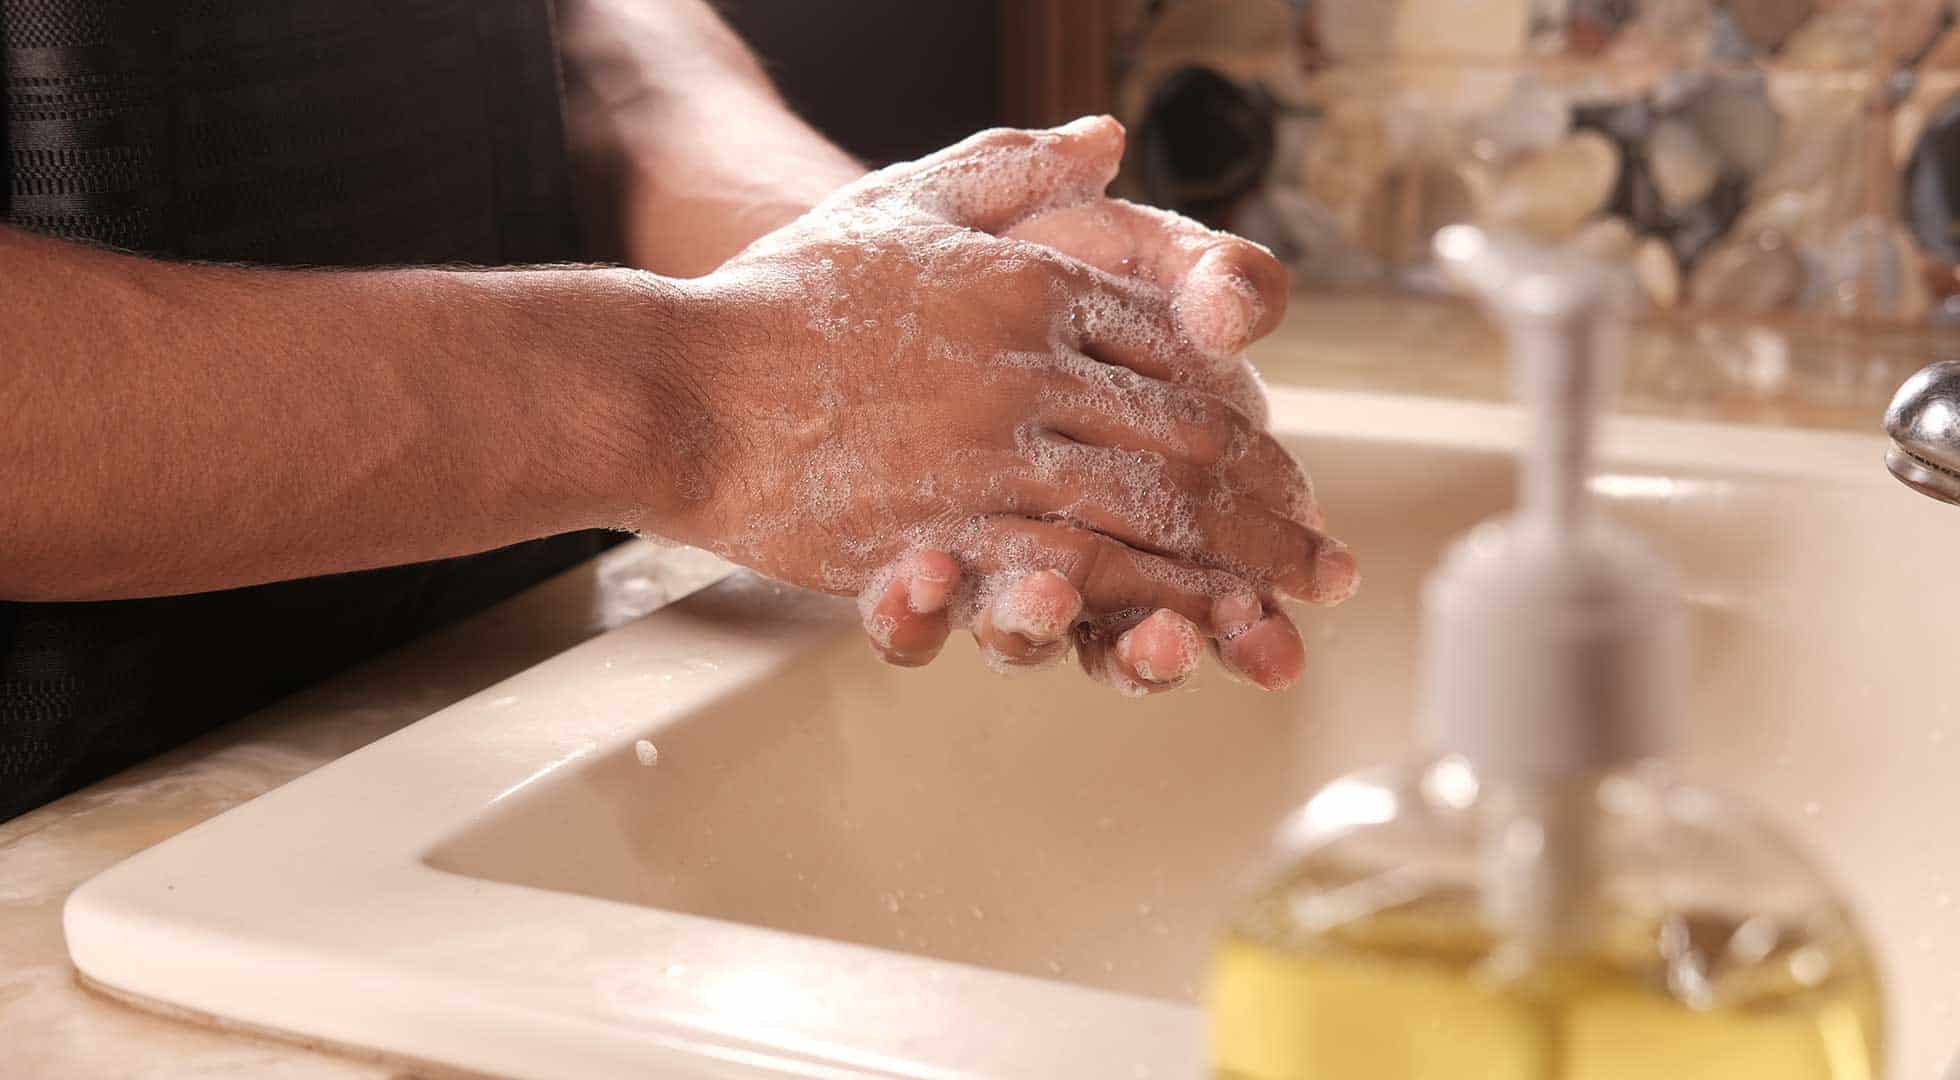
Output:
x=996 y=179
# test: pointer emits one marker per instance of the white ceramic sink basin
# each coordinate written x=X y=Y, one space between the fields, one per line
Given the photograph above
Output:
x=839 y=869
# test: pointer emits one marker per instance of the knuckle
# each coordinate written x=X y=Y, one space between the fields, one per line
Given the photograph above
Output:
x=1240 y=388
x=1172 y=491
x=1266 y=456
x=1280 y=473
x=1057 y=271
x=1291 y=473
x=1032 y=264
x=1212 y=431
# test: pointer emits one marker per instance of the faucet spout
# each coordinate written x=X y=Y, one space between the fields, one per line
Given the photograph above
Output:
x=1923 y=422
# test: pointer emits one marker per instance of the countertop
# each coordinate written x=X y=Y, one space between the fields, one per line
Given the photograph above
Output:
x=52 y=1026
x=1789 y=373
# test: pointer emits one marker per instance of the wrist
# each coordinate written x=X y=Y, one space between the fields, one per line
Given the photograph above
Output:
x=650 y=429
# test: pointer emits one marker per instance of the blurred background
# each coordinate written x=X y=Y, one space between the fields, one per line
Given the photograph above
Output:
x=1782 y=177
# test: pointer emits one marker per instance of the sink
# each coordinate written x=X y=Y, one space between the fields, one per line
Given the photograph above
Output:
x=835 y=868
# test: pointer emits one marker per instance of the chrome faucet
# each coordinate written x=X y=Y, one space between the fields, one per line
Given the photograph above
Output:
x=1924 y=423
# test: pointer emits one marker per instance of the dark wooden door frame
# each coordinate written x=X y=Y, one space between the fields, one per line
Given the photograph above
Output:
x=1055 y=60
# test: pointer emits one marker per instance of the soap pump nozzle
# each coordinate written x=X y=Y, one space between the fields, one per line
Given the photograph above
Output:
x=1563 y=318
x=1553 y=640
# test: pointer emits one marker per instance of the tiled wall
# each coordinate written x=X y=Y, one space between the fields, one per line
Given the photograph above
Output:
x=1791 y=163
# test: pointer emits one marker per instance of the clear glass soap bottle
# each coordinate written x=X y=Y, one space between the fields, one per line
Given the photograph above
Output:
x=1540 y=899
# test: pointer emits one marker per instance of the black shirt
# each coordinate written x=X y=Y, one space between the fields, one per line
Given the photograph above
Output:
x=285 y=132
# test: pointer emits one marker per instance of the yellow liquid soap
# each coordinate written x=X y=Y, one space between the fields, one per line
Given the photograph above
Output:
x=1540 y=899
x=1421 y=992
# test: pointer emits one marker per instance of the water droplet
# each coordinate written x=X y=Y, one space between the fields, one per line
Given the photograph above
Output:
x=976 y=912
x=675 y=971
x=889 y=901
x=1812 y=808
x=648 y=753
x=1944 y=900
x=1144 y=910
x=1055 y=967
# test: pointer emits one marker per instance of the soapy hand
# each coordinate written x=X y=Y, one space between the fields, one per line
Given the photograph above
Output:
x=926 y=403
x=1226 y=293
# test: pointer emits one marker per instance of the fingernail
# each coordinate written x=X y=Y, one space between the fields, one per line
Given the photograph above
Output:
x=1219 y=309
x=929 y=583
x=924 y=596
x=1241 y=301
x=1234 y=615
x=1152 y=659
x=1017 y=610
x=1335 y=575
x=1271 y=659
x=1087 y=125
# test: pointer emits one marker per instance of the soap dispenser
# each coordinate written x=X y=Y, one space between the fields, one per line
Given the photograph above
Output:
x=1540 y=899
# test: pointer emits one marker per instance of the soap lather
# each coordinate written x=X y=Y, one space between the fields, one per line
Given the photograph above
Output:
x=1540 y=896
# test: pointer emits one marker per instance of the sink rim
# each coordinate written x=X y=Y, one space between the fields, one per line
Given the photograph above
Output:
x=533 y=998
x=184 y=907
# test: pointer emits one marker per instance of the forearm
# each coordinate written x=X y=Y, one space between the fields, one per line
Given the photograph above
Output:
x=684 y=150
x=173 y=428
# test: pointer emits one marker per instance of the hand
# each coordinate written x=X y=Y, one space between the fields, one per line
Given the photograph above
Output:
x=1227 y=292
x=900 y=377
